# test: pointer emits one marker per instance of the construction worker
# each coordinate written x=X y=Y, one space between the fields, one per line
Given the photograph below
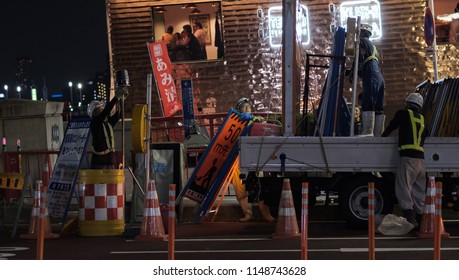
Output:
x=373 y=84
x=410 y=181
x=244 y=107
x=103 y=119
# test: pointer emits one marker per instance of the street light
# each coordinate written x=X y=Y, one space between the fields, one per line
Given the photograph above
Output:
x=71 y=95
x=6 y=91
x=18 y=89
x=81 y=101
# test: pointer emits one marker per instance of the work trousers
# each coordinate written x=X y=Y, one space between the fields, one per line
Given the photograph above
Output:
x=239 y=187
x=410 y=184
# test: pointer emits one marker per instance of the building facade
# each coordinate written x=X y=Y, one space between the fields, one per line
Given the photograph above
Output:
x=252 y=66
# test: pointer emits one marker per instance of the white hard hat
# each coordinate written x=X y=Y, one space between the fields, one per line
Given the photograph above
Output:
x=367 y=27
x=415 y=98
x=93 y=105
x=241 y=102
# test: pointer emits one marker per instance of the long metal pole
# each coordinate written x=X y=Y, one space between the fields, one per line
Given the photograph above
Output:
x=289 y=12
x=354 y=75
x=110 y=53
x=148 y=128
x=434 y=44
x=123 y=150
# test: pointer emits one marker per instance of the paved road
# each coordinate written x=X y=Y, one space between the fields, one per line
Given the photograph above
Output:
x=237 y=241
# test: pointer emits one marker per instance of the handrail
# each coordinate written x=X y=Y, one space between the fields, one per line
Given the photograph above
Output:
x=165 y=129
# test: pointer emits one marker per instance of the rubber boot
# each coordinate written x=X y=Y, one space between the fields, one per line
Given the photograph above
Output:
x=265 y=213
x=246 y=210
x=368 y=123
x=418 y=221
x=409 y=215
x=379 y=124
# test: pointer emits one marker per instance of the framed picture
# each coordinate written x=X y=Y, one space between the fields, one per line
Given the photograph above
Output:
x=205 y=21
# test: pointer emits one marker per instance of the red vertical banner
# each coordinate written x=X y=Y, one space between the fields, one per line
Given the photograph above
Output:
x=162 y=69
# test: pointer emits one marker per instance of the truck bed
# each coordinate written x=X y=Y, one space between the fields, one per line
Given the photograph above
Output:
x=339 y=154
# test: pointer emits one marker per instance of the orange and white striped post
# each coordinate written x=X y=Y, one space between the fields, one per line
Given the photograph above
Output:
x=371 y=220
x=438 y=219
x=41 y=205
x=304 y=220
x=171 y=228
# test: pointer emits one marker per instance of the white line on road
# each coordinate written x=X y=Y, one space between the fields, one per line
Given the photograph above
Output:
x=9 y=249
x=314 y=238
x=341 y=250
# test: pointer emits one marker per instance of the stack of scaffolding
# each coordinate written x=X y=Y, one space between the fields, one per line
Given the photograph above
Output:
x=333 y=114
x=441 y=107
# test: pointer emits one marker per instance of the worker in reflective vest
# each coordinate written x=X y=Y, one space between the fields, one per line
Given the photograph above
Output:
x=373 y=84
x=244 y=107
x=103 y=119
x=410 y=181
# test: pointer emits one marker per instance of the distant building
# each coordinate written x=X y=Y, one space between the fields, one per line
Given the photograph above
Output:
x=98 y=88
x=23 y=76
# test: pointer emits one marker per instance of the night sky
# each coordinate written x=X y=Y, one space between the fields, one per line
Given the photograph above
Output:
x=66 y=40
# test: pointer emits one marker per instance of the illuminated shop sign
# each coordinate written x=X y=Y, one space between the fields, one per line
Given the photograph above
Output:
x=275 y=26
x=369 y=12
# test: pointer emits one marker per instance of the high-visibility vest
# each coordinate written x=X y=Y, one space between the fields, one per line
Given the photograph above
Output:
x=109 y=139
x=417 y=134
x=374 y=56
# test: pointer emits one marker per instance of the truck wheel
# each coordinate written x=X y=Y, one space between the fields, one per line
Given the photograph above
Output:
x=353 y=200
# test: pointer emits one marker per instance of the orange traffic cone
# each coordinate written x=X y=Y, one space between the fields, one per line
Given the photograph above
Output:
x=287 y=224
x=427 y=226
x=152 y=225
x=45 y=175
x=35 y=216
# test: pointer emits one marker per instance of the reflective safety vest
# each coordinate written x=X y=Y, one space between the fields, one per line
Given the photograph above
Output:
x=109 y=139
x=374 y=56
x=417 y=135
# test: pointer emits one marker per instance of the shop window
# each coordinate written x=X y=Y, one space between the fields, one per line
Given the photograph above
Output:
x=203 y=19
x=447 y=21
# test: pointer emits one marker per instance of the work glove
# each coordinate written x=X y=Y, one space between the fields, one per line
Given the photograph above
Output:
x=121 y=92
x=245 y=116
x=257 y=119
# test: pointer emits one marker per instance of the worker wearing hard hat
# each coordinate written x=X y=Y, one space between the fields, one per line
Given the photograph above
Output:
x=410 y=181
x=373 y=84
x=103 y=119
x=244 y=107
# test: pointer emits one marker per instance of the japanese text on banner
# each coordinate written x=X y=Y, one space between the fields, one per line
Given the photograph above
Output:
x=162 y=69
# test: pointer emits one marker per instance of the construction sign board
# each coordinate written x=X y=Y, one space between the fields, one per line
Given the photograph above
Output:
x=65 y=171
x=187 y=102
x=216 y=162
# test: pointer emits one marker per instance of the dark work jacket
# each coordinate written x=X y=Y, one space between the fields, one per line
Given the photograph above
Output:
x=402 y=121
x=99 y=141
x=370 y=73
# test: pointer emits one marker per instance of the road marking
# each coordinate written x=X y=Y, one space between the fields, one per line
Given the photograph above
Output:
x=203 y=251
x=341 y=250
x=310 y=238
x=10 y=249
x=5 y=255
x=357 y=250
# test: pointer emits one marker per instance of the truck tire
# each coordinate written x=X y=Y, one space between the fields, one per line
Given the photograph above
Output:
x=353 y=200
